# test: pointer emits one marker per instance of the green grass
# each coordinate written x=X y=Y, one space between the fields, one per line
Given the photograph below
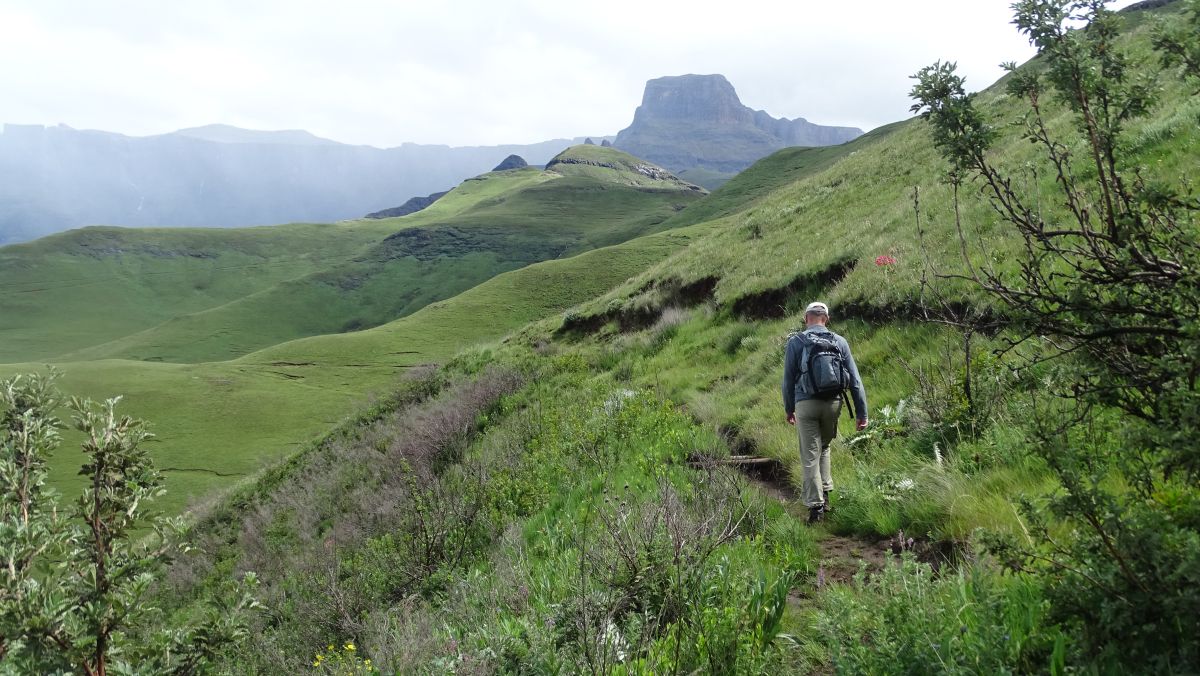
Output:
x=779 y=169
x=76 y=290
x=239 y=416
x=80 y=288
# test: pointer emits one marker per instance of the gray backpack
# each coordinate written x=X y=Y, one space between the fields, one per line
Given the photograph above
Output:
x=824 y=367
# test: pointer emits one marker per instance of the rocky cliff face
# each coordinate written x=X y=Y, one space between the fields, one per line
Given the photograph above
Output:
x=698 y=121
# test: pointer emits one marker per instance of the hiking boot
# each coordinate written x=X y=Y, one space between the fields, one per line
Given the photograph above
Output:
x=816 y=514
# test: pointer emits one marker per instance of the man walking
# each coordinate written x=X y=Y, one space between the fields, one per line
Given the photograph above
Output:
x=817 y=370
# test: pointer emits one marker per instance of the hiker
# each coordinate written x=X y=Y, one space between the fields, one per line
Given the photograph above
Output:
x=818 y=371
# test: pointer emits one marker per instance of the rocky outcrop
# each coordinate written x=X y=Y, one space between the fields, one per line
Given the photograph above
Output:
x=512 y=162
x=698 y=121
x=647 y=170
x=412 y=206
x=606 y=143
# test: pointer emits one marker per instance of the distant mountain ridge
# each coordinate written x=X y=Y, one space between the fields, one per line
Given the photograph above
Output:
x=224 y=133
x=58 y=178
x=689 y=122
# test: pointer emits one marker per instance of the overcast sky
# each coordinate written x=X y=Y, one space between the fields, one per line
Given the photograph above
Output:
x=472 y=73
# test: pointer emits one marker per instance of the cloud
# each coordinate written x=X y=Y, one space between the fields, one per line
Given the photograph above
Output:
x=383 y=73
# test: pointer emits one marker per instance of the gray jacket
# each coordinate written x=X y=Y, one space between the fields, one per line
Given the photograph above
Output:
x=795 y=386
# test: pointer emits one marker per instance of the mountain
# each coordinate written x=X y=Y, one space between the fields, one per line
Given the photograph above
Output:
x=697 y=122
x=516 y=162
x=57 y=178
x=224 y=133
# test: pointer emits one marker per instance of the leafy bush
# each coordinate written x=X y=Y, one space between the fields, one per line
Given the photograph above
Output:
x=1110 y=281
x=74 y=592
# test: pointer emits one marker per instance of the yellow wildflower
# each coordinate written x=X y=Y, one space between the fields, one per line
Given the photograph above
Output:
x=350 y=647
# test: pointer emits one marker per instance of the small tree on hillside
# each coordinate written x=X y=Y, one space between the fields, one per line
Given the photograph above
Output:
x=74 y=590
x=1109 y=283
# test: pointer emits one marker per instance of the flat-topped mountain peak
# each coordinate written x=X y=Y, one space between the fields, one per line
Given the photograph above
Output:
x=697 y=121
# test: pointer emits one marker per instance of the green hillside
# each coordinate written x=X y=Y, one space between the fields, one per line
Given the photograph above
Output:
x=367 y=273
x=218 y=423
x=772 y=172
x=84 y=288
x=586 y=519
x=77 y=289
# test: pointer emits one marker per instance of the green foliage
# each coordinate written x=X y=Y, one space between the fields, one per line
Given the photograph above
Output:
x=342 y=661
x=75 y=588
x=959 y=129
x=907 y=620
x=1176 y=41
x=1112 y=279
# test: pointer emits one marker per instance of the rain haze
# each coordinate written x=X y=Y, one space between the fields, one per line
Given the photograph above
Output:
x=472 y=73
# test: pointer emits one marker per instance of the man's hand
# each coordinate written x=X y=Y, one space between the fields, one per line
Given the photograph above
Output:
x=791 y=419
x=862 y=424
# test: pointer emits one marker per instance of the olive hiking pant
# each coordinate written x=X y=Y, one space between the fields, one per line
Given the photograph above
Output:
x=816 y=423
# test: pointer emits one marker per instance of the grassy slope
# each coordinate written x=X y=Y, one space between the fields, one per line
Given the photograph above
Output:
x=75 y=290
x=228 y=419
x=769 y=257
x=775 y=171
x=83 y=287
x=504 y=221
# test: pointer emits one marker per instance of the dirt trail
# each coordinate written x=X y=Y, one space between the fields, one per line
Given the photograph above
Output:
x=842 y=556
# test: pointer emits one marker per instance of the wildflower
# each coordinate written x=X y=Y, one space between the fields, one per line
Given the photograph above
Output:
x=885 y=260
x=350 y=647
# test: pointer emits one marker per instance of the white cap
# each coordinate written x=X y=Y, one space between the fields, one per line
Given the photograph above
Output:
x=817 y=308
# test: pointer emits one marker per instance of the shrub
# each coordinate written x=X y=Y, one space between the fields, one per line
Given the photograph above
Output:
x=73 y=595
x=1110 y=281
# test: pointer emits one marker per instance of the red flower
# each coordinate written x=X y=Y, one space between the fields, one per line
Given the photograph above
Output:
x=884 y=260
